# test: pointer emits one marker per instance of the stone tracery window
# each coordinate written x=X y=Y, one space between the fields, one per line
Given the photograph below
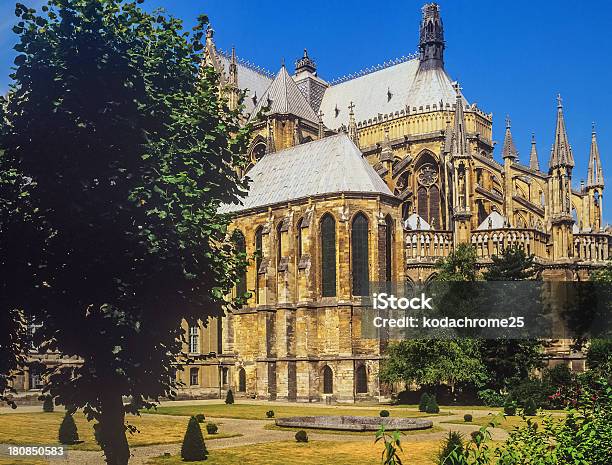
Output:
x=359 y=255
x=428 y=190
x=328 y=256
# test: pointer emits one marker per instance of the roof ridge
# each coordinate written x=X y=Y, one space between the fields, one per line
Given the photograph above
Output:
x=373 y=69
x=247 y=64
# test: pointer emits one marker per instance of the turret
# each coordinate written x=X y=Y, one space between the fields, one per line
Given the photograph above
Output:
x=560 y=171
x=233 y=91
x=431 y=38
x=595 y=185
x=510 y=155
x=534 y=164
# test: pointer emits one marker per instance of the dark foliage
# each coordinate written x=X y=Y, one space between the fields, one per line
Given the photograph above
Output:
x=193 y=448
x=384 y=413
x=68 y=433
x=229 y=398
x=424 y=402
x=211 y=428
x=48 y=404
x=510 y=407
x=467 y=418
x=432 y=405
x=270 y=414
x=200 y=417
x=301 y=436
x=453 y=443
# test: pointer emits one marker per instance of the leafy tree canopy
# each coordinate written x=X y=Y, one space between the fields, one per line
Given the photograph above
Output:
x=127 y=149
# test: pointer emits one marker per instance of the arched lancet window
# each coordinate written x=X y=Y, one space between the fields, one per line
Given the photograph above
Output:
x=279 y=242
x=428 y=189
x=224 y=375
x=299 y=238
x=328 y=380
x=258 y=257
x=388 y=249
x=361 y=380
x=241 y=380
x=241 y=285
x=359 y=254
x=328 y=256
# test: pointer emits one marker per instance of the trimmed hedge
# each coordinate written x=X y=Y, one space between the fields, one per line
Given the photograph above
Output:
x=193 y=448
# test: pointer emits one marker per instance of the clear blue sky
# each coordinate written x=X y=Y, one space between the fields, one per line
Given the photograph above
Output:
x=510 y=57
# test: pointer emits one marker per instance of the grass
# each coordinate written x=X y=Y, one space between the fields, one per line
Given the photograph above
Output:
x=42 y=428
x=28 y=461
x=509 y=423
x=258 y=411
x=433 y=429
x=312 y=453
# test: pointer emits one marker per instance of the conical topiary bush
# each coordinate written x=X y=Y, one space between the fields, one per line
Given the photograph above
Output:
x=229 y=398
x=423 y=402
x=47 y=404
x=432 y=405
x=68 y=433
x=193 y=448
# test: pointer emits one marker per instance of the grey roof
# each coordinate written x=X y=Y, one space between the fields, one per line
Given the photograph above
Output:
x=496 y=219
x=254 y=82
x=416 y=222
x=386 y=91
x=284 y=97
x=327 y=166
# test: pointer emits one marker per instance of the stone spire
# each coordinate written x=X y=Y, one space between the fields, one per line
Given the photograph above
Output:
x=320 y=115
x=459 y=140
x=232 y=84
x=386 y=153
x=534 y=164
x=509 y=149
x=270 y=148
x=352 y=125
x=561 y=154
x=595 y=176
x=431 y=37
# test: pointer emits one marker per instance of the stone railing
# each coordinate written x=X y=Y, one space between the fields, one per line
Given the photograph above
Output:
x=427 y=245
x=592 y=246
x=493 y=241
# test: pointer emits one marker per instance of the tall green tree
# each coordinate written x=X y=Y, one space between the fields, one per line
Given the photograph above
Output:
x=460 y=265
x=510 y=360
x=129 y=150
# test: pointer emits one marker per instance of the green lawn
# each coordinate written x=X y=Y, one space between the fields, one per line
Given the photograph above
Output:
x=311 y=453
x=42 y=428
x=258 y=411
x=509 y=423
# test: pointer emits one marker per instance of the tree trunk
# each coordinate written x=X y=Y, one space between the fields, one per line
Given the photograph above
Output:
x=112 y=430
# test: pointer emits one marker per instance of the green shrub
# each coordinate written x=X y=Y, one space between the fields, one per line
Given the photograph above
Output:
x=452 y=443
x=423 y=402
x=491 y=398
x=301 y=436
x=229 y=398
x=467 y=418
x=211 y=428
x=432 y=405
x=531 y=389
x=530 y=408
x=510 y=407
x=47 y=404
x=193 y=448
x=270 y=414
x=200 y=417
x=384 y=413
x=68 y=433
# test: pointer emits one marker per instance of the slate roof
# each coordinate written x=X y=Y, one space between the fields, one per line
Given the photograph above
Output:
x=328 y=166
x=497 y=221
x=415 y=222
x=284 y=97
x=386 y=91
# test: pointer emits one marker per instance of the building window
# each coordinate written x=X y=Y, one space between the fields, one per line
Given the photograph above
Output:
x=328 y=256
x=328 y=380
x=258 y=258
x=241 y=285
x=36 y=371
x=279 y=242
x=361 y=381
x=388 y=249
x=299 y=238
x=224 y=375
x=194 y=376
x=194 y=340
x=241 y=380
x=359 y=254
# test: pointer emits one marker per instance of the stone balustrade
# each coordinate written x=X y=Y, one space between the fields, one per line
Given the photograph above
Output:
x=493 y=241
x=427 y=245
x=592 y=247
